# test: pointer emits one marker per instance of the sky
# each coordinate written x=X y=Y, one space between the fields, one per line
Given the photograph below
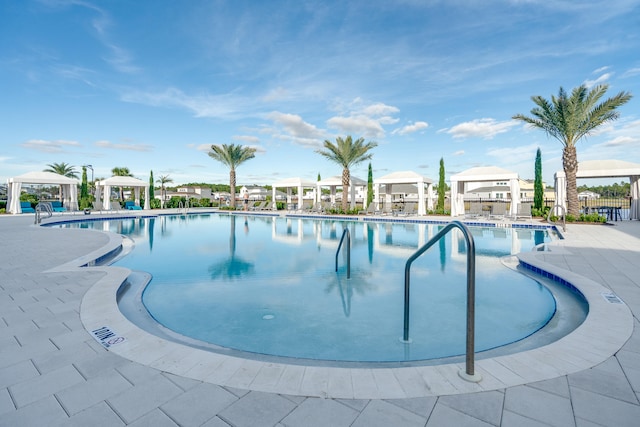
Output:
x=151 y=85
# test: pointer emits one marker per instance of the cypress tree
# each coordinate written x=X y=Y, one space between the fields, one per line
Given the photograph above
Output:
x=369 y=186
x=152 y=193
x=538 y=190
x=441 y=187
x=84 y=190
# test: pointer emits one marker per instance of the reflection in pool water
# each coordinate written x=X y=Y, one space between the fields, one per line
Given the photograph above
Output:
x=267 y=285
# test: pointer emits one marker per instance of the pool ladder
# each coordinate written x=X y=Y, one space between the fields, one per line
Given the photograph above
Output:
x=563 y=215
x=346 y=233
x=469 y=372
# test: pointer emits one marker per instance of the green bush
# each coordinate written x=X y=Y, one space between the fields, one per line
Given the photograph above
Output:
x=540 y=212
x=155 y=203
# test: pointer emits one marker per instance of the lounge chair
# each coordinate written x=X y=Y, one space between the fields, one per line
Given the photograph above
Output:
x=371 y=210
x=409 y=209
x=475 y=210
x=387 y=209
x=57 y=206
x=498 y=211
x=258 y=206
x=26 y=207
x=97 y=207
x=131 y=205
x=523 y=212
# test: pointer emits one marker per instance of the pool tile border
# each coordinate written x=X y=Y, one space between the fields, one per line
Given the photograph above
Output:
x=606 y=329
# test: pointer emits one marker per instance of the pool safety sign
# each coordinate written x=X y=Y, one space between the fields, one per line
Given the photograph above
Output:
x=107 y=337
x=611 y=298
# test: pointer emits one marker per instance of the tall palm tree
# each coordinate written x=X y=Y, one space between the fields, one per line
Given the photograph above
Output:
x=64 y=169
x=347 y=153
x=164 y=179
x=232 y=155
x=570 y=118
x=121 y=171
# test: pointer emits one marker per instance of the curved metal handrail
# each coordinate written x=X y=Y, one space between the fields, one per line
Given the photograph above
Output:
x=469 y=373
x=348 y=234
x=43 y=207
x=563 y=216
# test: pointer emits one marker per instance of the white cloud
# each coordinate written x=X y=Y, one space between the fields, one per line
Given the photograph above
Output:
x=126 y=147
x=459 y=153
x=411 y=128
x=58 y=146
x=364 y=119
x=295 y=126
x=203 y=105
x=480 y=128
x=602 y=79
x=246 y=138
x=621 y=141
x=514 y=154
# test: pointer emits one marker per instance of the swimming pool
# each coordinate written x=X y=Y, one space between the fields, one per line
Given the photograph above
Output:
x=267 y=286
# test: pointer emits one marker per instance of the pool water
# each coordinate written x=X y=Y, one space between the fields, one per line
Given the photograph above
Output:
x=268 y=285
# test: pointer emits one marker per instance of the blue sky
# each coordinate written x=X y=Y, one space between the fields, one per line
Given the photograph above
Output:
x=150 y=85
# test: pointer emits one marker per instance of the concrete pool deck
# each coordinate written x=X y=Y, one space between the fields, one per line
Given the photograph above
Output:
x=52 y=371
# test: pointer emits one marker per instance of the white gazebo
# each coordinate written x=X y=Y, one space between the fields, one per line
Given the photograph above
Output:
x=406 y=177
x=290 y=183
x=103 y=189
x=336 y=181
x=68 y=185
x=603 y=169
x=482 y=174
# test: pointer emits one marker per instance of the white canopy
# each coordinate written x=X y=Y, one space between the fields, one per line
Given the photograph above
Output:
x=405 y=177
x=482 y=174
x=104 y=187
x=336 y=181
x=69 y=188
x=603 y=169
x=290 y=183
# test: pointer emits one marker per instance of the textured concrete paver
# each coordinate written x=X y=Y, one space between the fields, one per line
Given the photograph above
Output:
x=53 y=373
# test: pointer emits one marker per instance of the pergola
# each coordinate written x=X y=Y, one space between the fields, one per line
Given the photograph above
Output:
x=603 y=169
x=336 y=181
x=482 y=174
x=103 y=189
x=68 y=185
x=405 y=177
x=290 y=183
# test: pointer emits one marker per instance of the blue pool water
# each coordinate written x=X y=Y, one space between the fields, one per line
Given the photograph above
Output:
x=267 y=285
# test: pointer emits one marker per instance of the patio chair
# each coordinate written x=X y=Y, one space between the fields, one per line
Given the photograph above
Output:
x=409 y=209
x=475 y=210
x=56 y=206
x=26 y=207
x=523 y=212
x=259 y=206
x=131 y=205
x=371 y=210
x=498 y=211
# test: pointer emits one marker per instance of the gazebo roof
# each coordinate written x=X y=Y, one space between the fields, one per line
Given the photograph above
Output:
x=293 y=182
x=123 y=181
x=484 y=173
x=337 y=180
x=402 y=177
x=43 y=178
x=607 y=169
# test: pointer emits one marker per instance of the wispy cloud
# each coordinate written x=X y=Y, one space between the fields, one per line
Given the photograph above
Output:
x=514 y=154
x=246 y=138
x=364 y=119
x=125 y=147
x=415 y=127
x=58 y=146
x=479 y=128
x=201 y=105
x=600 y=80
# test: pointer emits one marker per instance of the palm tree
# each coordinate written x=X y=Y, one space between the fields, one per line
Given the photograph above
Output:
x=164 y=179
x=347 y=153
x=63 y=169
x=568 y=119
x=118 y=171
x=232 y=156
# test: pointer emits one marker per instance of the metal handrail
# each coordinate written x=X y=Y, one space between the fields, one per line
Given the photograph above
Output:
x=469 y=373
x=563 y=216
x=40 y=208
x=348 y=234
